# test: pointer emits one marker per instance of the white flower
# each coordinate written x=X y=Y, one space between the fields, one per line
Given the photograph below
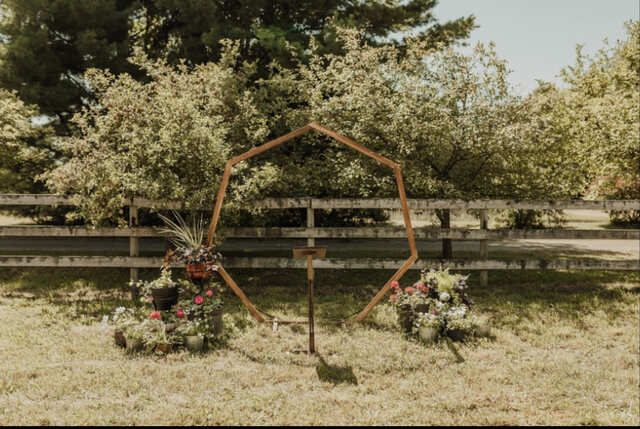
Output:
x=444 y=296
x=103 y=323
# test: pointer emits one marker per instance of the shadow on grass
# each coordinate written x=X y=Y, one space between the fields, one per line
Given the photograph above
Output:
x=335 y=374
x=511 y=295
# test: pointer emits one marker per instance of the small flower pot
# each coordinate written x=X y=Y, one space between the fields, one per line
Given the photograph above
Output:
x=193 y=343
x=483 y=330
x=428 y=334
x=164 y=348
x=405 y=318
x=120 y=339
x=165 y=298
x=457 y=334
x=134 y=344
x=215 y=319
x=199 y=273
x=170 y=327
x=421 y=308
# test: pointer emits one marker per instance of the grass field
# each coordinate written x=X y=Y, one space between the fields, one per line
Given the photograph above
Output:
x=564 y=351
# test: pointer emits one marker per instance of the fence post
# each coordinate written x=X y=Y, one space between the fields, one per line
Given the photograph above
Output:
x=311 y=241
x=134 y=246
x=484 y=224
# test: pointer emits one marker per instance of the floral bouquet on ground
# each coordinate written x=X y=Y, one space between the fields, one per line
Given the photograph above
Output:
x=437 y=304
x=409 y=301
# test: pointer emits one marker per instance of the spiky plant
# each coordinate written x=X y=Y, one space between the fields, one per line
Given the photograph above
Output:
x=183 y=234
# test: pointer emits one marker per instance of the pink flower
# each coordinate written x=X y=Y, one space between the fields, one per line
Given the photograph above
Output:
x=409 y=290
x=395 y=285
x=209 y=293
x=392 y=298
x=198 y=300
x=180 y=313
x=434 y=311
x=155 y=315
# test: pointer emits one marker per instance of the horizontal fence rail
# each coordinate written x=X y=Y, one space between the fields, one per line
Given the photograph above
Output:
x=310 y=233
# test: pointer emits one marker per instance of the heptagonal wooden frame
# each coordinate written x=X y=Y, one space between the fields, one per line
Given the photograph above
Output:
x=253 y=152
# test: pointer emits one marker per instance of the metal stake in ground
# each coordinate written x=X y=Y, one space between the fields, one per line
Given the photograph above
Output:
x=309 y=253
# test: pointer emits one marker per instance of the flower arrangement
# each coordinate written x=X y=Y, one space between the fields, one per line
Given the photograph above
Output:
x=199 y=259
x=428 y=320
x=410 y=295
x=162 y=282
x=194 y=321
x=438 y=301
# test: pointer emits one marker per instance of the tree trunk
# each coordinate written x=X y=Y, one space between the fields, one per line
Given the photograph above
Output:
x=445 y=222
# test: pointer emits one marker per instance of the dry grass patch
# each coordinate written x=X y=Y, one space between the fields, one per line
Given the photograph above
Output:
x=565 y=351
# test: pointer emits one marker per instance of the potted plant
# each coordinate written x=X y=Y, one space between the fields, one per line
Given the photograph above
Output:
x=122 y=317
x=157 y=339
x=457 y=325
x=163 y=291
x=205 y=306
x=408 y=302
x=194 y=334
x=134 y=334
x=200 y=261
x=428 y=326
x=482 y=326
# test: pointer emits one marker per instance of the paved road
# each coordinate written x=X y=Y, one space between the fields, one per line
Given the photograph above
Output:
x=607 y=249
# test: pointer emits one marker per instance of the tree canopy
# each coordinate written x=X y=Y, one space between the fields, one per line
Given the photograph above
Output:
x=51 y=43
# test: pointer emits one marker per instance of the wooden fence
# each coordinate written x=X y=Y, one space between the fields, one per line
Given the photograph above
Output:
x=483 y=234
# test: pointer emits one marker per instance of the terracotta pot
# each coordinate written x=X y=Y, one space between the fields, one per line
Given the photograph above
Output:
x=165 y=298
x=134 y=344
x=193 y=343
x=457 y=334
x=121 y=341
x=164 y=348
x=428 y=334
x=200 y=272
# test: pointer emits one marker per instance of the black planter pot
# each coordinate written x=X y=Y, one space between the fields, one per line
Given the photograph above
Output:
x=215 y=318
x=120 y=339
x=165 y=298
x=457 y=334
x=407 y=315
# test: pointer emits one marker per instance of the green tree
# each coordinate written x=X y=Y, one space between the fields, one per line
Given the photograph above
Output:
x=450 y=119
x=49 y=44
x=604 y=98
x=25 y=150
x=281 y=30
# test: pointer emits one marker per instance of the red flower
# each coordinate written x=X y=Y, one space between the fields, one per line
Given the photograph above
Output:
x=395 y=285
x=409 y=290
x=198 y=300
x=155 y=315
x=392 y=297
x=180 y=313
x=209 y=293
x=422 y=287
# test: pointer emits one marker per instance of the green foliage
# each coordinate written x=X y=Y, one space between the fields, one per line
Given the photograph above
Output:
x=25 y=147
x=51 y=43
x=603 y=99
x=166 y=139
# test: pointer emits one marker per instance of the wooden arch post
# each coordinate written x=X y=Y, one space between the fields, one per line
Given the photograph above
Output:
x=273 y=143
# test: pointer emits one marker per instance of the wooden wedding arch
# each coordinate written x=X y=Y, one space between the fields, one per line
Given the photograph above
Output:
x=253 y=152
